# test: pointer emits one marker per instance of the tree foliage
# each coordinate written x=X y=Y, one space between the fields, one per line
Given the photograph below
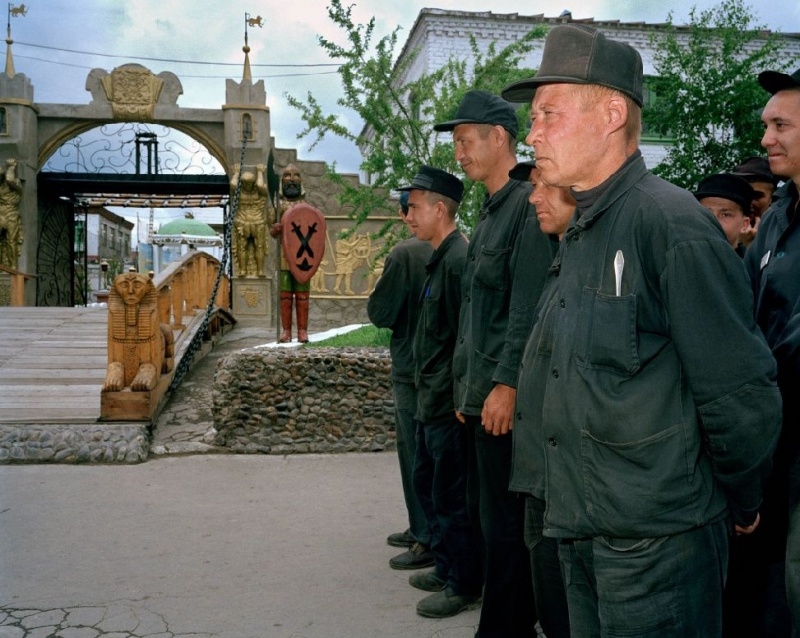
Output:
x=398 y=117
x=708 y=96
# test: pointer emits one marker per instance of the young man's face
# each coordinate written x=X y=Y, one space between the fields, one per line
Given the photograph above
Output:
x=565 y=134
x=729 y=215
x=554 y=205
x=423 y=217
x=763 y=198
x=781 y=118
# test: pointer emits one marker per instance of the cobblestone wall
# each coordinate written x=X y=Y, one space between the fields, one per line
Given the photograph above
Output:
x=127 y=443
x=304 y=400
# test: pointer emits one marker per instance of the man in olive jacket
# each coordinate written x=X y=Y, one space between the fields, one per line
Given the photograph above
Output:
x=647 y=411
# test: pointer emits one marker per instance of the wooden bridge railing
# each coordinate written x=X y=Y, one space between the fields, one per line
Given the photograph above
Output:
x=18 y=280
x=151 y=322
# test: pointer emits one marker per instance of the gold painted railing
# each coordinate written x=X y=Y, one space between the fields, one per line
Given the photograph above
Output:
x=18 y=280
x=151 y=323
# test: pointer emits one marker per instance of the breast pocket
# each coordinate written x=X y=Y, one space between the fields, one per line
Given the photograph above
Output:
x=492 y=270
x=606 y=334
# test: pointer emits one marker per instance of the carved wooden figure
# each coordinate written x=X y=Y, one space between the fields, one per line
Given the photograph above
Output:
x=140 y=347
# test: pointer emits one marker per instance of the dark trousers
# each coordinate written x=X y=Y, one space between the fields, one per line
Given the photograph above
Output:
x=793 y=546
x=405 y=404
x=670 y=587
x=508 y=608
x=548 y=583
x=440 y=477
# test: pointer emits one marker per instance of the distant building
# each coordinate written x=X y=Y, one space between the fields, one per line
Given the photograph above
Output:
x=107 y=236
x=179 y=236
x=439 y=35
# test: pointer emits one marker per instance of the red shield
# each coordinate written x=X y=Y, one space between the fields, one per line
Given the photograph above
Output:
x=303 y=240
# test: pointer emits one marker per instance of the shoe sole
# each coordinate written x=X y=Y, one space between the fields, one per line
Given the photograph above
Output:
x=405 y=544
x=468 y=607
x=414 y=566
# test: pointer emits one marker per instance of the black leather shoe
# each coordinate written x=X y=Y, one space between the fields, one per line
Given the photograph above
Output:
x=400 y=539
x=416 y=557
x=426 y=581
x=444 y=604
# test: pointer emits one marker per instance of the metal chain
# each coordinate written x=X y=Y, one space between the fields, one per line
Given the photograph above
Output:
x=224 y=266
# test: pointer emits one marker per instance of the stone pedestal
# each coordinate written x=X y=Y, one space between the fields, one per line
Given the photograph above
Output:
x=254 y=297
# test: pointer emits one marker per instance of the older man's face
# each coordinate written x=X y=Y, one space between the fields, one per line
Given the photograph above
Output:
x=291 y=182
x=554 y=205
x=781 y=118
x=566 y=135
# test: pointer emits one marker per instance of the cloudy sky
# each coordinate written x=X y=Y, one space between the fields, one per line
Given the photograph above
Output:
x=59 y=41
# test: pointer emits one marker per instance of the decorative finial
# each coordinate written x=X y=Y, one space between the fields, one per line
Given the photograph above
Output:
x=13 y=12
x=258 y=21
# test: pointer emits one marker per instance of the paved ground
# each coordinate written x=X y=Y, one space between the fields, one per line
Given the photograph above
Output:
x=207 y=545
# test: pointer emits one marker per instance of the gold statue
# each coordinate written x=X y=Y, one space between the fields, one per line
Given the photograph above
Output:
x=140 y=348
x=292 y=193
x=350 y=253
x=250 y=224
x=10 y=223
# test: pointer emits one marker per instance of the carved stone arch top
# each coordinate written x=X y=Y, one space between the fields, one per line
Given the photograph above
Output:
x=133 y=90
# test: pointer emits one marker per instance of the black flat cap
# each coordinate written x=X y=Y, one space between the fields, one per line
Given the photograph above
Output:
x=522 y=171
x=727 y=186
x=436 y=180
x=774 y=81
x=481 y=107
x=577 y=54
x=756 y=169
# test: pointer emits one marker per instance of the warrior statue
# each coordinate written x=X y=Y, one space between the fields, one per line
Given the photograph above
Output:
x=250 y=224
x=10 y=223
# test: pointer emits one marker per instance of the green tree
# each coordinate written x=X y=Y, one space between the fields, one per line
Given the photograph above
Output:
x=708 y=99
x=397 y=135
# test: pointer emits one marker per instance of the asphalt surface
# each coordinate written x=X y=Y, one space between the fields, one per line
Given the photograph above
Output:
x=199 y=544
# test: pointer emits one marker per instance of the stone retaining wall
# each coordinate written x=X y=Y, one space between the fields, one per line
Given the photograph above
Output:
x=62 y=443
x=280 y=401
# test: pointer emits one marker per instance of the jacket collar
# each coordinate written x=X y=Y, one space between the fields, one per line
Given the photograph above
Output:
x=437 y=255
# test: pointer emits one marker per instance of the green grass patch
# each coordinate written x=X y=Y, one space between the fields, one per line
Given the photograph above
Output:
x=365 y=337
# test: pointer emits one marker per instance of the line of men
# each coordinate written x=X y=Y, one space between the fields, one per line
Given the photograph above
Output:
x=613 y=332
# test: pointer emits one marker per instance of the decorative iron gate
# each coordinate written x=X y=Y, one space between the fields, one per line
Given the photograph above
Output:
x=55 y=266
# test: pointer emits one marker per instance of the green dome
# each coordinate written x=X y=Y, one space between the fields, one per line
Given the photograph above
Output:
x=192 y=227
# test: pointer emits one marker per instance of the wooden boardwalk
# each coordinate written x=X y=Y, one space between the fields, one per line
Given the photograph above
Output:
x=52 y=364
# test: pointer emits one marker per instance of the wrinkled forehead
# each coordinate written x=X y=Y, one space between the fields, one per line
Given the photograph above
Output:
x=784 y=105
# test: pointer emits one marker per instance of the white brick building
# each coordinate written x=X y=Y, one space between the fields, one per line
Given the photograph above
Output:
x=440 y=34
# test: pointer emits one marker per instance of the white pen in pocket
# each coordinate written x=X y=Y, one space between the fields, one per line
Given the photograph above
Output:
x=619 y=264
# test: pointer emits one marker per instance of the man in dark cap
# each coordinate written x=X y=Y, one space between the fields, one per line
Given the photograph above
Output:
x=636 y=421
x=728 y=197
x=489 y=348
x=755 y=170
x=440 y=468
x=394 y=304
x=773 y=261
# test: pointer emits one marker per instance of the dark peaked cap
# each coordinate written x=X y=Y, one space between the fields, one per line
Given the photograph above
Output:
x=436 y=180
x=481 y=107
x=773 y=81
x=727 y=186
x=577 y=54
x=522 y=171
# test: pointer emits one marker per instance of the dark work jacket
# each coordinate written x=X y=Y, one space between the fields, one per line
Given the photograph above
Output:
x=437 y=329
x=650 y=412
x=773 y=262
x=395 y=301
x=501 y=259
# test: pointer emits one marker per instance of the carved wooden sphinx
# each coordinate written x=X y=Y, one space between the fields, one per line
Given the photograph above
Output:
x=140 y=347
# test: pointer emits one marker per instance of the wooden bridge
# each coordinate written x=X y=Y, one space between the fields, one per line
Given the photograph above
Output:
x=53 y=361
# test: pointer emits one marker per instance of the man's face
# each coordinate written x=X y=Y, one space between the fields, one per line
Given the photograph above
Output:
x=729 y=215
x=763 y=197
x=404 y=218
x=781 y=118
x=477 y=156
x=564 y=135
x=423 y=217
x=554 y=205
x=291 y=182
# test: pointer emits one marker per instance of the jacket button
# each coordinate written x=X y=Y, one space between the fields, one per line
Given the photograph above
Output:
x=555 y=374
x=552 y=442
x=519 y=416
x=467 y=299
x=562 y=303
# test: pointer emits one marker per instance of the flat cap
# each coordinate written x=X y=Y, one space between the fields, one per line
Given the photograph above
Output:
x=522 y=171
x=774 y=81
x=482 y=107
x=578 y=54
x=727 y=186
x=756 y=169
x=436 y=180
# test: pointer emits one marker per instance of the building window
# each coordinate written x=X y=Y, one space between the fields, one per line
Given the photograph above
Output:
x=247 y=127
x=650 y=132
x=3 y=121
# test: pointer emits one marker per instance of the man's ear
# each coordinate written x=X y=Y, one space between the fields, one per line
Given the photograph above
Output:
x=616 y=112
